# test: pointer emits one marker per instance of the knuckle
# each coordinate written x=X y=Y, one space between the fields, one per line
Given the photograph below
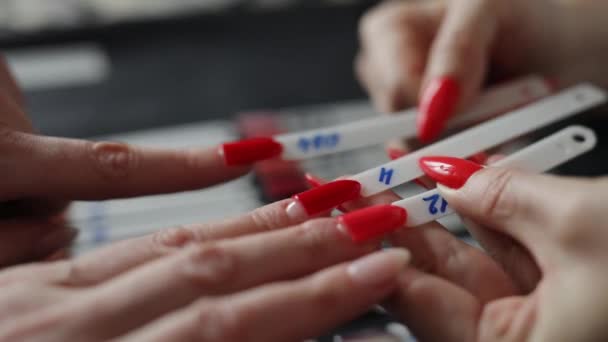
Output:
x=212 y=267
x=172 y=238
x=385 y=17
x=313 y=239
x=497 y=200
x=265 y=220
x=217 y=323
x=114 y=160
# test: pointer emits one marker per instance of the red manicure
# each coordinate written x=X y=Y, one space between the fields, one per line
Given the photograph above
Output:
x=395 y=153
x=437 y=104
x=313 y=181
x=373 y=222
x=449 y=171
x=328 y=196
x=249 y=151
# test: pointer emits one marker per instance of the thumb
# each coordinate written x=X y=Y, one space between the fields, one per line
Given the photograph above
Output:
x=530 y=208
x=457 y=63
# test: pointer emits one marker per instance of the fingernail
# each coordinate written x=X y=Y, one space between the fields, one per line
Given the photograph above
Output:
x=395 y=153
x=449 y=171
x=324 y=197
x=57 y=239
x=372 y=222
x=313 y=181
x=380 y=268
x=437 y=104
x=479 y=158
x=249 y=151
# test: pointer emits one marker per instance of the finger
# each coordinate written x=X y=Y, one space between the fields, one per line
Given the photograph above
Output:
x=313 y=305
x=457 y=62
x=435 y=309
x=436 y=251
x=395 y=39
x=510 y=254
x=528 y=207
x=39 y=166
x=23 y=241
x=219 y=268
x=109 y=261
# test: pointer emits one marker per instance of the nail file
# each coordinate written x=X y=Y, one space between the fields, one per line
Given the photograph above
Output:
x=376 y=130
x=539 y=157
x=483 y=136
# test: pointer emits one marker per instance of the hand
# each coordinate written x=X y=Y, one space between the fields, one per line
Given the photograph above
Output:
x=261 y=277
x=39 y=175
x=442 y=52
x=547 y=234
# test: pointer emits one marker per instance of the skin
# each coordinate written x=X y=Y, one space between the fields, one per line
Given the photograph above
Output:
x=406 y=44
x=43 y=174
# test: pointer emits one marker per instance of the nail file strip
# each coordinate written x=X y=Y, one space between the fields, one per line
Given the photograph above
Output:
x=381 y=128
x=539 y=157
x=483 y=136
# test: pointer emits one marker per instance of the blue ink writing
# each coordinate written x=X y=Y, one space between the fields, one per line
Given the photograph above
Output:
x=318 y=142
x=386 y=175
x=433 y=204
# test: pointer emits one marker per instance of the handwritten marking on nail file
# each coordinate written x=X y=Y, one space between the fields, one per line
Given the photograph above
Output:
x=485 y=135
x=539 y=157
x=380 y=128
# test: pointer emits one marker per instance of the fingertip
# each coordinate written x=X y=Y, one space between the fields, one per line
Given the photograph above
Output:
x=438 y=102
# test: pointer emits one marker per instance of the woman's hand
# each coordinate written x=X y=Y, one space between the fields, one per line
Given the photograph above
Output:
x=543 y=277
x=261 y=277
x=39 y=175
x=439 y=53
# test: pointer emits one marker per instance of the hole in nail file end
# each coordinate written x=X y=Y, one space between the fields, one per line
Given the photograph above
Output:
x=539 y=157
x=484 y=136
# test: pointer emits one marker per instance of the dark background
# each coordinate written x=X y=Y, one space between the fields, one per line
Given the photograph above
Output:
x=203 y=67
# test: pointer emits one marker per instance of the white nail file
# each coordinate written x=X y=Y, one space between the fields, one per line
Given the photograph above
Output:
x=539 y=157
x=381 y=128
x=483 y=136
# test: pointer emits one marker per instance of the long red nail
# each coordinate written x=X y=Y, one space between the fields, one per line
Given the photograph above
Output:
x=449 y=171
x=395 y=153
x=313 y=181
x=249 y=151
x=328 y=196
x=437 y=104
x=373 y=222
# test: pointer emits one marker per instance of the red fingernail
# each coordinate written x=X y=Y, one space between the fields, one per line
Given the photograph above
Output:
x=437 y=104
x=249 y=151
x=328 y=196
x=479 y=158
x=395 y=153
x=373 y=222
x=313 y=181
x=449 y=171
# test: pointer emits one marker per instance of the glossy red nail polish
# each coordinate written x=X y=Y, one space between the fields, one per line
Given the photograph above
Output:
x=479 y=158
x=249 y=151
x=373 y=222
x=437 y=104
x=313 y=181
x=449 y=171
x=395 y=153
x=328 y=196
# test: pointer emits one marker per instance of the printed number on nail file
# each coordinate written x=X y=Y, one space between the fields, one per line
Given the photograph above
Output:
x=380 y=128
x=539 y=157
x=483 y=136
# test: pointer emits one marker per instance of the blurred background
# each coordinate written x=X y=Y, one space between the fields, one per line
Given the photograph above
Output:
x=153 y=62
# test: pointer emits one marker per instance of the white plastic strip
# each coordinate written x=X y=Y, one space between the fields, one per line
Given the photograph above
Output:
x=483 y=136
x=378 y=129
x=537 y=158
